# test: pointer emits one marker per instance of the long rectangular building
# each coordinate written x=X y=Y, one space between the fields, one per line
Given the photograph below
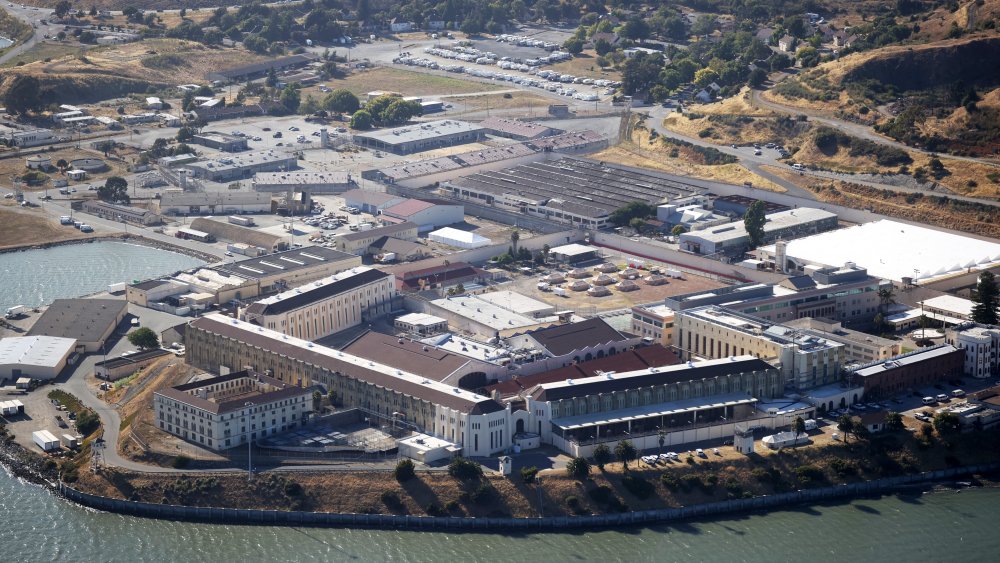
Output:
x=574 y=191
x=479 y=424
x=732 y=239
x=421 y=137
x=326 y=306
x=282 y=270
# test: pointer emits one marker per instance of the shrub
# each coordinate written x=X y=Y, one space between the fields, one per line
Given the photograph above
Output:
x=87 y=422
x=293 y=489
x=452 y=506
x=669 y=481
x=690 y=481
x=483 y=494
x=404 y=470
x=461 y=468
x=733 y=486
x=528 y=474
x=761 y=474
x=809 y=475
x=843 y=468
x=180 y=462
x=639 y=487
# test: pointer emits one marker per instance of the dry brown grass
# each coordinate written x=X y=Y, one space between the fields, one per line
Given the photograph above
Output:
x=21 y=226
x=734 y=105
x=693 y=481
x=585 y=65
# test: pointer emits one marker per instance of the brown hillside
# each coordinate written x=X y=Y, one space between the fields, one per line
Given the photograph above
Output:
x=923 y=66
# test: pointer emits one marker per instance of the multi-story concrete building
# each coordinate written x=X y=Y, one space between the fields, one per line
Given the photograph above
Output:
x=313 y=182
x=981 y=346
x=910 y=371
x=232 y=409
x=180 y=202
x=243 y=165
x=846 y=294
x=858 y=346
x=732 y=239
x=476 y=424
x=326 y=306
x=716 y=332
x=654 y=321
x=282 y=270
x=688 y=402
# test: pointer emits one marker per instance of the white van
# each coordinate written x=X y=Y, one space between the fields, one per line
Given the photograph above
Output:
x=958 y=393
x=929 y=400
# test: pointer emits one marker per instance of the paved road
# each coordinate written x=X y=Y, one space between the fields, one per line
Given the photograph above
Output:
x=32 y=16
x=855 y=129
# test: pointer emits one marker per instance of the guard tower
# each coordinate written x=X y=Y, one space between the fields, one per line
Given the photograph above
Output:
x=743 y=439
x=506 y=465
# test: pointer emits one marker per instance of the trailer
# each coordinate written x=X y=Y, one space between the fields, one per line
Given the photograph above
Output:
x=70 y=442
x=561 y=292
x=191 y=234
x=676 y=274
x=241 y=221
x=45 y=440
x=15 y=311
x=116 y=287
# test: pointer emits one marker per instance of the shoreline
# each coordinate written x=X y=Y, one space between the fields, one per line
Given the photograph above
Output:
x=30 y=467
x=122 y=237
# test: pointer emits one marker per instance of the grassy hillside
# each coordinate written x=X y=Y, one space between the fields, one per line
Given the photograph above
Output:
x=116 y=70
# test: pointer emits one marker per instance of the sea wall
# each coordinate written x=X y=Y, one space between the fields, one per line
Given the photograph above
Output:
x=644 y=517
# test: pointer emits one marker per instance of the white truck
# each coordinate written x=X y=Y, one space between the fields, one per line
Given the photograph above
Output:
x=15 y=311
x=561 y=292
x=65 y=220
x=241 y=221
x=116 y=287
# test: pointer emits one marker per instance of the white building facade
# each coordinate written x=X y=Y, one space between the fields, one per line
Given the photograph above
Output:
x=327 y=306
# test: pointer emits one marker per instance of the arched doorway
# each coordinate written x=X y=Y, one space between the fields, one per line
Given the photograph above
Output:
x=519 y=427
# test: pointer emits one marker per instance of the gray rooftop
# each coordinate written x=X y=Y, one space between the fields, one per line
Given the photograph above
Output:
x=287 y=261
x=420 y=131
x=82 y=319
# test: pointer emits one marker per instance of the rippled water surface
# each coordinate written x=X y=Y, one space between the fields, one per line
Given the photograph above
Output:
x=941 y=526
x=37 y=277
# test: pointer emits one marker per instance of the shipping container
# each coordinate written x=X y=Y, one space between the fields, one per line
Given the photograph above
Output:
x=116 y=287
x=45 y=440
x=242 y=221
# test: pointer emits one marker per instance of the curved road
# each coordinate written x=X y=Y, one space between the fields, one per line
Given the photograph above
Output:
x=854 y=129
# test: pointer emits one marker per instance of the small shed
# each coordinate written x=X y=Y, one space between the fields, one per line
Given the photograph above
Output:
x=76 y=174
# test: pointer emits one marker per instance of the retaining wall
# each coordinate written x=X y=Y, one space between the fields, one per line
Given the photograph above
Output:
x=326 y=519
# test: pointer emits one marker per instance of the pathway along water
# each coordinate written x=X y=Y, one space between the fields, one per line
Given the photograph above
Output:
x=36 y=277
x=39 y=526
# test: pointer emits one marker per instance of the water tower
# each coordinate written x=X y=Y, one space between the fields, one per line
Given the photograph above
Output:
x=780 y=256
x=743 y=439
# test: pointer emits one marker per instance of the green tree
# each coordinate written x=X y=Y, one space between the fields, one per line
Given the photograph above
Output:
x=799 y=426
x=846 y=425
x=291 y=97
x=115 y=189
x=894 y=421
x=341 y=101
x=678 y=230
x=185 y=134
x=625 y=452
x=361 y=120
x=317 y=400
x=754 y=221
x=704 y=77
x=578 y=468
x=573 y=45
x=399 y=111
x=515 y=236
x=757 y=77
x=947 y=422
x=637 y=223
x=984 y=311
x=404 y=470
x=309 y=106
x=623 y=215
x=808 y=56
x=602 y=456
x=62 y=8
x=144 y=338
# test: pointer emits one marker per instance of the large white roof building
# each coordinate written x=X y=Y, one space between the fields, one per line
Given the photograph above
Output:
x=40 y=357
x=893 y=250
